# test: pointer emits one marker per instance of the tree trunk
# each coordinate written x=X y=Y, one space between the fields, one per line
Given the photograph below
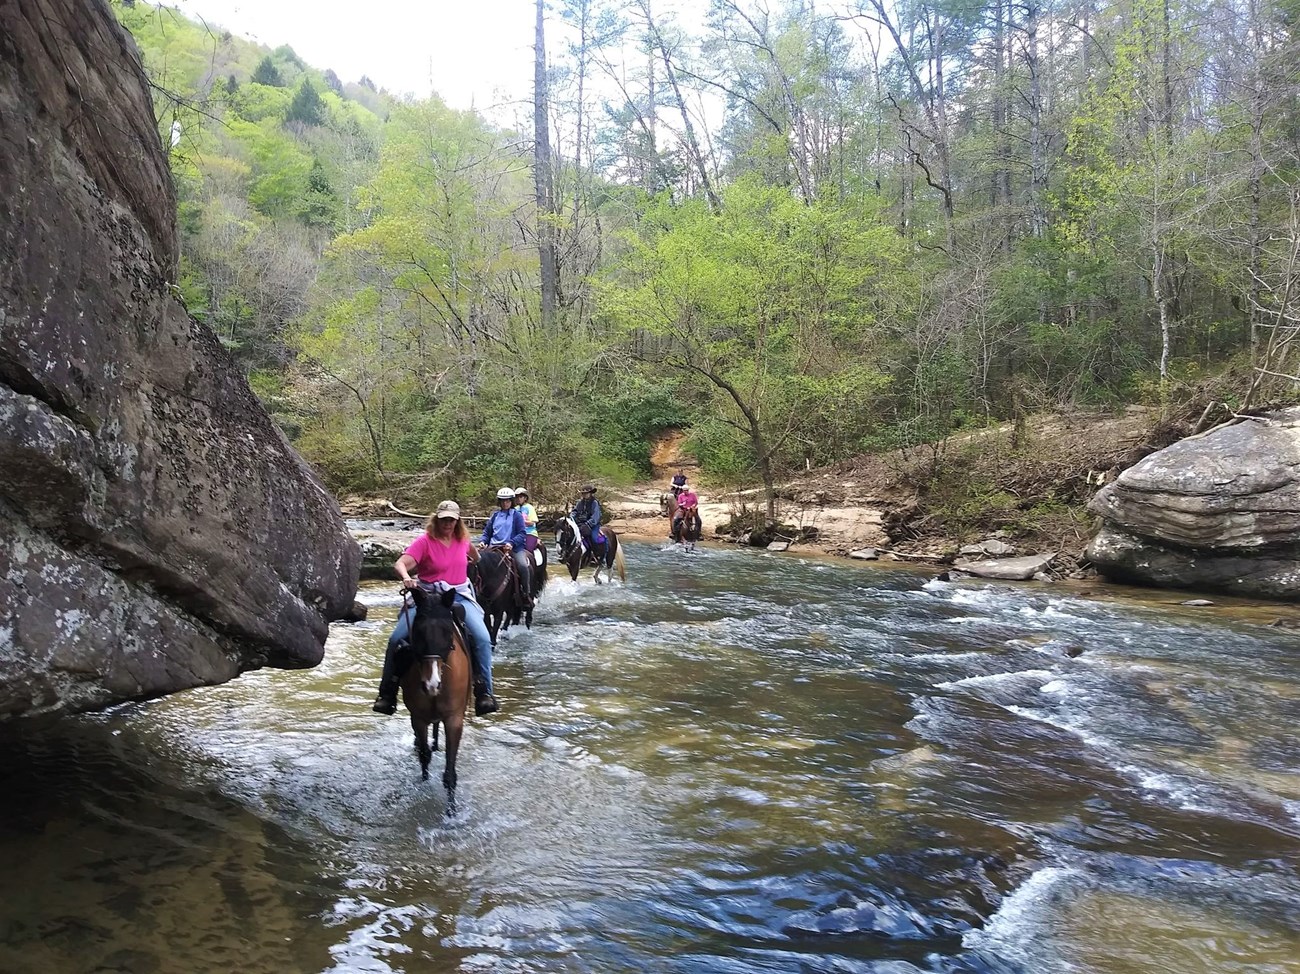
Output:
x=542 y=184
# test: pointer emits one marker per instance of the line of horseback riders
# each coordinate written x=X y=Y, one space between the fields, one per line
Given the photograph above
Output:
x=443 y=558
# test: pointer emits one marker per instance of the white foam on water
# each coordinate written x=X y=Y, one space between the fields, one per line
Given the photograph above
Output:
x=1292 y=808
x=1059 y=723
x=1023 y=919
x=996 y=679
x=1182 y=791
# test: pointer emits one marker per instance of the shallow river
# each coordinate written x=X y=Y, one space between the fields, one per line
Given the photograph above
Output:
x=737 y=762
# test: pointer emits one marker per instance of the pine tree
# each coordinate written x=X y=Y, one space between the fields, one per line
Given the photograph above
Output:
x=306 y=106
x=268 y=74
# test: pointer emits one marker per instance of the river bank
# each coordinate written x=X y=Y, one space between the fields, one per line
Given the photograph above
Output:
x=996 y=493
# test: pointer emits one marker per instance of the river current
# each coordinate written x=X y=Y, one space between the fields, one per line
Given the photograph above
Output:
x=736 y=762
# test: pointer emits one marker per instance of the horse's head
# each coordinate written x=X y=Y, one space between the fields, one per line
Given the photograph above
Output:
x=433 y=633
x=566 y=536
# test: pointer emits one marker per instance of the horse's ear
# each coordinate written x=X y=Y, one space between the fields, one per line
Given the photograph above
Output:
x=458 y=613
x=448 y=598
x=420 y=596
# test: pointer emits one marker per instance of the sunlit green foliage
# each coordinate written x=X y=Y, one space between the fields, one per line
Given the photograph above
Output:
x=1089 y=209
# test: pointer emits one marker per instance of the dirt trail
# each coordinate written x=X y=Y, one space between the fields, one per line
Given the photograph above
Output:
x=640 y=510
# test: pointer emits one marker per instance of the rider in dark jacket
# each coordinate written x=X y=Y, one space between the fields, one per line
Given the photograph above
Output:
x=586 y=514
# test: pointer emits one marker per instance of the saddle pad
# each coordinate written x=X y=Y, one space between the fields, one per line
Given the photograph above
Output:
x=538 y=558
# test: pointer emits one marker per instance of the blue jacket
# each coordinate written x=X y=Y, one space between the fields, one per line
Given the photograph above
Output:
x=587 y=514
x=499 y=530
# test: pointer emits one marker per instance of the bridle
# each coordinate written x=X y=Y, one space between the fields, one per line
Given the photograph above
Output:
x=434 y=683
x=574 y=542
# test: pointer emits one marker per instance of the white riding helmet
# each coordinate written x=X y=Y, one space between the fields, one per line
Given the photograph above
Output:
x=505 y=494
x=521 y=490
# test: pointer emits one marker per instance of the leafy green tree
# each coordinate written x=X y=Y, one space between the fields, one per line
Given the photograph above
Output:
x=769 y=304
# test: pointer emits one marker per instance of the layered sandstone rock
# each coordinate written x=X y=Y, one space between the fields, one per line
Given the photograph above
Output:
x=156 y=531
x=1220 y=511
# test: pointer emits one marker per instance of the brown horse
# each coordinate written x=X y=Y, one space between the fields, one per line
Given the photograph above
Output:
x=436 y=684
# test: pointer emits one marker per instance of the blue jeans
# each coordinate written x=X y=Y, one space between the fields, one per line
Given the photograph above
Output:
x=480 y=647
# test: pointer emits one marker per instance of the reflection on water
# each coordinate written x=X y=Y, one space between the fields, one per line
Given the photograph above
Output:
x=734 y=763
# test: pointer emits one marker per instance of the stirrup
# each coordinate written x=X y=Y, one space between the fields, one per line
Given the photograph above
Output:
x=384 y=704
x=484 y=704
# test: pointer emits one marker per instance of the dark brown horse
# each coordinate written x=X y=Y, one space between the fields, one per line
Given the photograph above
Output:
x=436 y=684
x=498 y=593
x=606 y=556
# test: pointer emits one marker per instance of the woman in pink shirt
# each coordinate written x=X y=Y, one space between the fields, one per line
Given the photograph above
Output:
x=688 y=503
x=440 y=558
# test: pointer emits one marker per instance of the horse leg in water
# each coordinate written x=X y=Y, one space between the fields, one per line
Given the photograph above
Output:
x=455 y=725
x=451 y=709
x=420 y=725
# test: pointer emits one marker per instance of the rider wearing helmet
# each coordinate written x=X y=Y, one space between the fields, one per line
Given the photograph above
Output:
x=530 y=518
x=586 y=514
x=505 y=529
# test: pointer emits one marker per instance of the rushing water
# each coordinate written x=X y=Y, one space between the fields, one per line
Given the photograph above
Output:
x=736 y=762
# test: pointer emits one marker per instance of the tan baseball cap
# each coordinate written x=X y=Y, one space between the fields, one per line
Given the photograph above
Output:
x=448 y=509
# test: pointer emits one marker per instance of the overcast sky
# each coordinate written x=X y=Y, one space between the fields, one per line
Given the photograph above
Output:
x=472 y=52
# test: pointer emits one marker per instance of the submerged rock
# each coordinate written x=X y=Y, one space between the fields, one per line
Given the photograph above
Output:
x=1220 y=511
x=156 y=530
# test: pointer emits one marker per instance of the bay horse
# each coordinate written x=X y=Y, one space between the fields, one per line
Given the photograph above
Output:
x=687 y=528
x=606 y=556
x=436 y=681
x=495 y=585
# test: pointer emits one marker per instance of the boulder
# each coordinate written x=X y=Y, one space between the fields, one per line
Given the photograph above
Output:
x=865 y=554
x=379 y=551
x=157 y=532
x=778 y=546
x=1008 y=569
x=1219 y=511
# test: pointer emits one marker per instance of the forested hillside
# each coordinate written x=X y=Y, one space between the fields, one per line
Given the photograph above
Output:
x=801 y=233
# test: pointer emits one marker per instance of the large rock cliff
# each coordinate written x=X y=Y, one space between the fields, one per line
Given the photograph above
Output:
x=1219 y=511
x=156 y=530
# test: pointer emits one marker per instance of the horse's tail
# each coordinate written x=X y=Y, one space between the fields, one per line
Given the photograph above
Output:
x=619 y=564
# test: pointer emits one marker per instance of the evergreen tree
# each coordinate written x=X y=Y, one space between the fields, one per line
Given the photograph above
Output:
x=320 y=204
x=306 y=106
x=267 y=73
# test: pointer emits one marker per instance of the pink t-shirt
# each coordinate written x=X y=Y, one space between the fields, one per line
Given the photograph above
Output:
x=437 y=562
x=688 y=498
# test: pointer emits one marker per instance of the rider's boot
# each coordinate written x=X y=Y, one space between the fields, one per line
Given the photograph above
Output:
x=484 y=702
x=386 y=699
